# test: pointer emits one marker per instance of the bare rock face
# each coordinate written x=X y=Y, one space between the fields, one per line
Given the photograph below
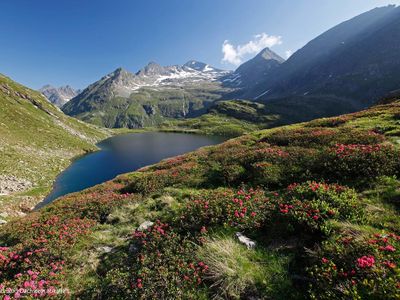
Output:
x=10 y=184
x=59 y=96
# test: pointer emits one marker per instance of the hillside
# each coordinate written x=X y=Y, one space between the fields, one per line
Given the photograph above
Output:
x=318 y=202
x=37 y=142
x=227 y=118
x=236 y=117
x=356 y=62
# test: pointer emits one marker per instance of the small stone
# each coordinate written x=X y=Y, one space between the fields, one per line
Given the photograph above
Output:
x=145 y=225
x=105 y=249
x=245 y=240
x=2 y=222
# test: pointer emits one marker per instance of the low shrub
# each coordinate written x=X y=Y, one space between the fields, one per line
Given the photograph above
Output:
x=360 y=164
x=307 y=207
x=161 y=266
x=242 y=209
x=357 y=268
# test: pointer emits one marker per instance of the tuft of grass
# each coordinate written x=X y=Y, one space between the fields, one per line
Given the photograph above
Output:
x=236 y=270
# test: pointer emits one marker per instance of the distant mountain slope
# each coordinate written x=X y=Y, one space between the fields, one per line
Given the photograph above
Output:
x=357 y=61
x=59 y=96
x=37 y=142
x=124 y=99
x=255 y=70
x=237 y=117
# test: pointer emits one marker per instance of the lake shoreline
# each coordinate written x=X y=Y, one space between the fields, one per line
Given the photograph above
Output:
x=102 y=146
x=18 y=204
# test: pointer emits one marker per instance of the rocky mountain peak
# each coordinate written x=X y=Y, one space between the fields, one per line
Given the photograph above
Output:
x=118 y=73
x=59 y=96
x=196 y=65
x=200 y=66
x=152 y=69
x=268 y=54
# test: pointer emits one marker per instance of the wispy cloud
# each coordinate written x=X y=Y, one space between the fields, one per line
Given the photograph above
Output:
x=235 y=54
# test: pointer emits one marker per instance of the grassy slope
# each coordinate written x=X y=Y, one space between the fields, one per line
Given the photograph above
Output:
x=228 y=118
x=37 y=141
x=237 y=117
x=295 y=229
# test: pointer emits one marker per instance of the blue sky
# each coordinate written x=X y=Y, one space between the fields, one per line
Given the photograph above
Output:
x=78 y=41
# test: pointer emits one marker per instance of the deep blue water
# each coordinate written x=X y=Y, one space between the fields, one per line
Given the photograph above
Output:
x=122 y=154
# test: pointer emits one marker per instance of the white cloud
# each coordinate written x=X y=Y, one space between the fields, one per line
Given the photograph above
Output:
x=288 y=53
x=235 y=54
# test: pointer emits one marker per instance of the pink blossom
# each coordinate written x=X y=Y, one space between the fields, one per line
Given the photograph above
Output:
x=366 y=261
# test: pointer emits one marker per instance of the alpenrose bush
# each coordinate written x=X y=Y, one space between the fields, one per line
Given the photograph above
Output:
x=331 y=122
x=242 y=209
x=23 y=274
x=307 y=207
x=95 y=204
x=34 y=266
x=320 y=136
x=282 y=166
x=35 y=253
x=361 y=163
x=162 y=266
x=350 y=267
x=151 y=180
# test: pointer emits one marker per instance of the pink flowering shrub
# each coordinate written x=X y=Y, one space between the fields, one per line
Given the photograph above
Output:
x=243 y=209
x=162 y=266
x=320 y=136
x=22 y=272
x=155 y=178
x=361 y=163
x=34 y=261
x=330 y=122
x=311 y=204
x=355 y=268
x=37 y=263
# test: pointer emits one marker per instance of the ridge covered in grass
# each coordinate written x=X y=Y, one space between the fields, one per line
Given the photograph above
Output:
x=320 y=200
x=237 y=117
x=37 y=142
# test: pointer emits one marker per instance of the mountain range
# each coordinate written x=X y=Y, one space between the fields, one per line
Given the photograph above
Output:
x=343 y=70
x=59 y=96
x=125 y=99
x=156 y=93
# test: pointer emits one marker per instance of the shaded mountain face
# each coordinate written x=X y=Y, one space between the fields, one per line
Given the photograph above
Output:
x=356 y=62
x=124 y=99
x=59 y=96
x=254 y=71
